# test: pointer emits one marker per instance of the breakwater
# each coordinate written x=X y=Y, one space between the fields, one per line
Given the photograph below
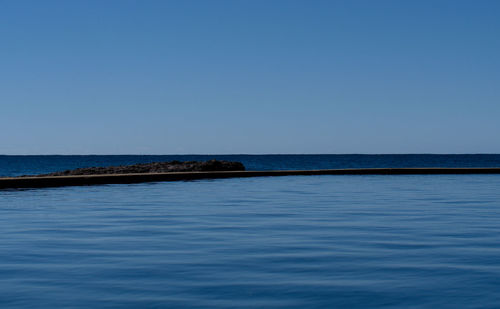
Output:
x=84 y=180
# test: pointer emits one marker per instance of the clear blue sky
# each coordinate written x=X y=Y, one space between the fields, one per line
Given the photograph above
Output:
x=168 y=77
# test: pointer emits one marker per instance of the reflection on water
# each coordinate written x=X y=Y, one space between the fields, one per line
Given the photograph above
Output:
x=313 y=241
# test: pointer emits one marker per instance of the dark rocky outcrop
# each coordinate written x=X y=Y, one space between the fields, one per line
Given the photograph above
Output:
x=156 y=167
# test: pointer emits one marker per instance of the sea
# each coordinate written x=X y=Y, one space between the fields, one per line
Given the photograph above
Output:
x=332 y=241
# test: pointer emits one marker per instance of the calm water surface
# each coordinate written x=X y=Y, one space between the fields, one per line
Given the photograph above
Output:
x=29 y=165
x=276 y=242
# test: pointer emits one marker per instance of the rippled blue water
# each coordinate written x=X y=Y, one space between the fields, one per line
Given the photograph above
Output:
x=420 y=241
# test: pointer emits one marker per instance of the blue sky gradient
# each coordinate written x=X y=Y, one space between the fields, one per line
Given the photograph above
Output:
x=218 y=77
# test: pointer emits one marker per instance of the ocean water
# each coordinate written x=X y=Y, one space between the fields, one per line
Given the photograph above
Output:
x=28 y=165
x=400 y=241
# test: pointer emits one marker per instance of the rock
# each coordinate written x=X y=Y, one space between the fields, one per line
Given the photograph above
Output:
x=156 y=167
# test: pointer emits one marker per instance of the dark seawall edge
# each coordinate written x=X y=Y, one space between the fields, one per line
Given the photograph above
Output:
x=85 y=180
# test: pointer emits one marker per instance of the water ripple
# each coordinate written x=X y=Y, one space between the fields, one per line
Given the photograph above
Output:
x=290 y=242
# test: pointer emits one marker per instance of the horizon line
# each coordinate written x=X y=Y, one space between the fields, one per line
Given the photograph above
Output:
x=257 y=154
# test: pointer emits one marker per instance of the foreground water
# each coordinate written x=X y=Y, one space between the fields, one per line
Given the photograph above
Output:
x=272 y=242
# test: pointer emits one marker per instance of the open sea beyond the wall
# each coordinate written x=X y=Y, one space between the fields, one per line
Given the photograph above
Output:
x=377 y=241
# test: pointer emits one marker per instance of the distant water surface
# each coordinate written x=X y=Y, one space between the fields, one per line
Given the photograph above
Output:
x=27 y=165
x=407 y=241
